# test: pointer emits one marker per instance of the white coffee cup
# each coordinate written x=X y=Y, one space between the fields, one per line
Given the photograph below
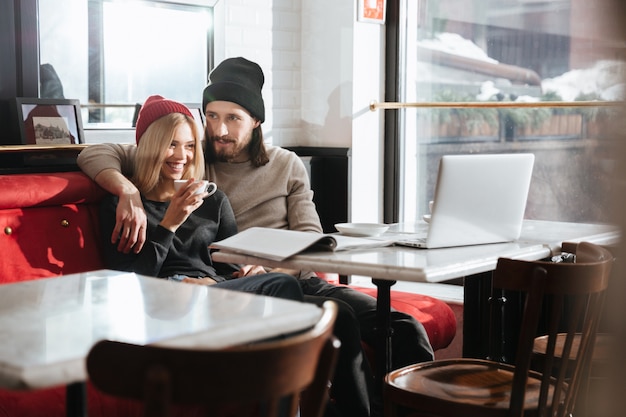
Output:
x=209 y=187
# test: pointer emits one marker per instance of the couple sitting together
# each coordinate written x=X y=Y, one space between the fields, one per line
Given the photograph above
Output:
x=159 y=231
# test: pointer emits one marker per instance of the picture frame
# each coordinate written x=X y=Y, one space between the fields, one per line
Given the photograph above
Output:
x=372 y=11
x=49 y=121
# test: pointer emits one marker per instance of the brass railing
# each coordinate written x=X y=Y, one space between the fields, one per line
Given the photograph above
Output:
x=374 y=105
x=106 y=106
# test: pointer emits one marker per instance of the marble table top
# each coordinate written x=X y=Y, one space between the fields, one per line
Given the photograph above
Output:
x=48 y=325
x=553 y=234
x=539 y=239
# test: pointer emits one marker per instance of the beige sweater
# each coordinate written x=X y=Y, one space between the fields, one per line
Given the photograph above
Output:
x=276 y=195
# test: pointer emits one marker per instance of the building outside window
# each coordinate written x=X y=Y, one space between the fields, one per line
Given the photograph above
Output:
x=112 y=55
x=520 y=51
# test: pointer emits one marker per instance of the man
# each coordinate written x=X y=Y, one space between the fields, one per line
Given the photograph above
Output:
x=269 y=187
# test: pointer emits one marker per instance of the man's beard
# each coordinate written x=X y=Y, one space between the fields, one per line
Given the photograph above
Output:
x=224 y=155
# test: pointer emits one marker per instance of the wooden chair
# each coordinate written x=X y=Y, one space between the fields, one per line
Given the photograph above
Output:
x=600 y=356
x=485 y=388
x=267 y=378
x=600 y=359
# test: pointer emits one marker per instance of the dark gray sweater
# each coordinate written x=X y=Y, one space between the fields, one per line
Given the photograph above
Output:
x=165 y=253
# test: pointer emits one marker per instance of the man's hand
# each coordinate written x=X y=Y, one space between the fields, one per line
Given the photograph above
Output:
x=130 y=217
x=130 y=223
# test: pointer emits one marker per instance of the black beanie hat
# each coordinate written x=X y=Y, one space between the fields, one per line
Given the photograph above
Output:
x=239 y=81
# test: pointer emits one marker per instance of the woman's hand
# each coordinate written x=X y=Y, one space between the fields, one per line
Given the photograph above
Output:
x=184 y=202
x=293 y=272
x=249 y=270
x=199 y=281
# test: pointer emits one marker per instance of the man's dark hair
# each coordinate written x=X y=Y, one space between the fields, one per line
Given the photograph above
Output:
x=256 y=148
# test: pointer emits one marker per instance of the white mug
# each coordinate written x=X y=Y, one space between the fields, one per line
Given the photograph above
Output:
x=209 y=187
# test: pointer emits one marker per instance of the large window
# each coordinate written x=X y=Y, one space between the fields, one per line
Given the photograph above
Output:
x=498 y=52
x=113 y=54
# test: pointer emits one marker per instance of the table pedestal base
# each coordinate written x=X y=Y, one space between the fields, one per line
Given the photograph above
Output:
x=76 y=400
x=383 y=344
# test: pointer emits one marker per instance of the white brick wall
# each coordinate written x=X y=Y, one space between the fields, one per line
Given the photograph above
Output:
x=269 y=32
x=322 y=69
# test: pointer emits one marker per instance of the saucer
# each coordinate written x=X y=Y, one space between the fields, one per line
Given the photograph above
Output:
x=361 y=229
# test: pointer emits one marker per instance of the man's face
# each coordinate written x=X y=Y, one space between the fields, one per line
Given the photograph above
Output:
x=229 y=130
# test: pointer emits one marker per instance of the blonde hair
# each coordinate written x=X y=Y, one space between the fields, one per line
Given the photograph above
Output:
x=151 y=150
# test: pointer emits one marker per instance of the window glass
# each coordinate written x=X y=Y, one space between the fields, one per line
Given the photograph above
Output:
x=510 y=51
x=111 y=55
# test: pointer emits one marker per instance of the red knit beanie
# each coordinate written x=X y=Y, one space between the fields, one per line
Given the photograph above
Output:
x=154 y=108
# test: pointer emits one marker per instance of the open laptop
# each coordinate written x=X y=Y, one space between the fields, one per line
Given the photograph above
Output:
x=478 y=199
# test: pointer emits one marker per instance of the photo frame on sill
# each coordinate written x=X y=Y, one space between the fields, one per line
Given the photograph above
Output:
x=49 y=121
x=372 y=11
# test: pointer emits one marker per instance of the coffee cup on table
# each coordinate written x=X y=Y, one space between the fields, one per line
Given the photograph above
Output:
x=209 y=187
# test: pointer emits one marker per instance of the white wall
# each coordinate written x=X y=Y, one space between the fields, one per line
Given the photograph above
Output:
x=322 y=69
x=326 y=50
x=267 y=32
x=367 y=126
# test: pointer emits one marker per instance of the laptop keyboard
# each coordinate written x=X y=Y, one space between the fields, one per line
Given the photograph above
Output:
x=418 y=242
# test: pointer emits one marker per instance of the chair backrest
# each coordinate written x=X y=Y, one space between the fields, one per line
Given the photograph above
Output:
x=275 y=376
x=571 y=295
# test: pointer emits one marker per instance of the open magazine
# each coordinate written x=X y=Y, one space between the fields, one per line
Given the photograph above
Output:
x=279 y=244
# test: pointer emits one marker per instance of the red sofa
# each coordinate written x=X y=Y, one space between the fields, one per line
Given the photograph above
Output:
x=50 y=227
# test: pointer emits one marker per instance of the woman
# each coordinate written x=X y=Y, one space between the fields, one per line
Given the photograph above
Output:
x=182 y=224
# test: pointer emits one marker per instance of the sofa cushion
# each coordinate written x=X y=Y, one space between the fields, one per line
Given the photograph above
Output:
x=48 y=225
x=47 y=190
x=51 y=402
x=436 y=316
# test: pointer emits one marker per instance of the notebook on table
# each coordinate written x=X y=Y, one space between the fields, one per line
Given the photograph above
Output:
x=478 y=199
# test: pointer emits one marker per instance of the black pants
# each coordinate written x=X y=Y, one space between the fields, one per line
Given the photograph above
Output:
x=353 y=382
x=273 y=284
x=352 y=385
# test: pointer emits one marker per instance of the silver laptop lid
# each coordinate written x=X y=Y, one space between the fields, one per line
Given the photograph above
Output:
x=479 y=199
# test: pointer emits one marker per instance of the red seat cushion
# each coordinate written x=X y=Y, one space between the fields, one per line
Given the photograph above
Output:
x=435 y=315
x=51 y=402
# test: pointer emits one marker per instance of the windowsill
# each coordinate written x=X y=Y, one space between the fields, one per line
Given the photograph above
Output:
x=118 y=135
